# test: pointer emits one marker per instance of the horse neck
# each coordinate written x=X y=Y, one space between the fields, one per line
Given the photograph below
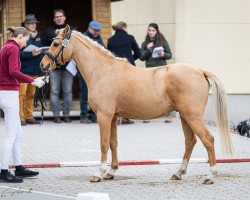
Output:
x=89 y=59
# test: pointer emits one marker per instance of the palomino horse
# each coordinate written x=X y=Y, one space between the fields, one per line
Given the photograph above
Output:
x=118 y=89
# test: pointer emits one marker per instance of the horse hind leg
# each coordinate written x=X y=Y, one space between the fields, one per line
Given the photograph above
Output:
x=212 y=158
x=207 y=139
x=190 y=141
x=113 y=147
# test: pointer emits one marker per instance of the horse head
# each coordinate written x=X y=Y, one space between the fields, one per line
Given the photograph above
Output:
x=59 y=51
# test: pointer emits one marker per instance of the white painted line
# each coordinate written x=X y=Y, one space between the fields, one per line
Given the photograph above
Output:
x=80 y=164
x=92 y=196
x=179 y=161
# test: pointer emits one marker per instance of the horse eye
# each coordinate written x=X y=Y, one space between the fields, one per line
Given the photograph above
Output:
x=55 y=44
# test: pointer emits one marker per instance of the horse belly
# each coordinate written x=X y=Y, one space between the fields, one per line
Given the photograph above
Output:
x=145 y=110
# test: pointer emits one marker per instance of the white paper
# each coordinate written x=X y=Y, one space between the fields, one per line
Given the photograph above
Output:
x=71 y=67
x=32 y=47
x=156 y=51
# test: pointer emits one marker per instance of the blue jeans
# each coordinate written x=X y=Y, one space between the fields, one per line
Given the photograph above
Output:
x=61 y=79
x=84 y=99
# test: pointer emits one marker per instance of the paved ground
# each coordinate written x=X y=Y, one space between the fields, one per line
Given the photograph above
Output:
x=156 y=140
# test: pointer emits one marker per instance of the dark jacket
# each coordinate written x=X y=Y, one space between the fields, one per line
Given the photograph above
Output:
x=122 y=44
x=146 y=54
x=98 y=39
x=31 y=64
x=50 y=34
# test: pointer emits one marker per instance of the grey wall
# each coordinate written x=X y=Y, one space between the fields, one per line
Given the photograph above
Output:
x=238 y=108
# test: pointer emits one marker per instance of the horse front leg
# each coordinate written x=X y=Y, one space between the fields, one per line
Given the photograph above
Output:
x=113 y=147
x=105 y=127
x=190 y=141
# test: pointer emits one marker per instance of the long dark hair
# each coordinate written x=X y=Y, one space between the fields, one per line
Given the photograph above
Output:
x=158 y=39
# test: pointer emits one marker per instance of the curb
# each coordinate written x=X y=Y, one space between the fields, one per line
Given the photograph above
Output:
x=131 y=162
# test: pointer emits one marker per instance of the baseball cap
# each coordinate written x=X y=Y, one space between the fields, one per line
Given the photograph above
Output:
x=95 y=25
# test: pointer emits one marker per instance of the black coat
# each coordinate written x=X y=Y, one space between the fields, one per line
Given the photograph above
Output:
x=31 y=64
x=122 y=45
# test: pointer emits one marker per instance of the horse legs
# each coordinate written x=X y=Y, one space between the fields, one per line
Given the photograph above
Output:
x=105 y=127
x=113 y=147
x=190 y=141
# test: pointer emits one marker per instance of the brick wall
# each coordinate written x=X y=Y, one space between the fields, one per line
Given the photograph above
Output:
x=12 y=15
x=101 y=10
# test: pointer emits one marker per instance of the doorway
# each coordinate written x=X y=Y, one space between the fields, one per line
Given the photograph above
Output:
x=78 y=14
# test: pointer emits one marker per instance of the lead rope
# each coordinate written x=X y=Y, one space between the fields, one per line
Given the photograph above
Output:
x=41 y=94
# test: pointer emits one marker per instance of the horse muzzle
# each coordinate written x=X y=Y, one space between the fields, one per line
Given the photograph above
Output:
x=45 y=68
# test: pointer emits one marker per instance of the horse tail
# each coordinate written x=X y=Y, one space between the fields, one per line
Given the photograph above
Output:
x=220 y=105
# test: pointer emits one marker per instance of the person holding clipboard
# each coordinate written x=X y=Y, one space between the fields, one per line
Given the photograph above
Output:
x=30 y=65
x=155 y=51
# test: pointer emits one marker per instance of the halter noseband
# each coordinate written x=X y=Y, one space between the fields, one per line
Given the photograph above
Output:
x=65 y=43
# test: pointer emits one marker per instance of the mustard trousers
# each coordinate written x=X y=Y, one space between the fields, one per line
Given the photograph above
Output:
x=26 y=100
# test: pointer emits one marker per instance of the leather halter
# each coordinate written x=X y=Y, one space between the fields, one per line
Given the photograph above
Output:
x=65 y=43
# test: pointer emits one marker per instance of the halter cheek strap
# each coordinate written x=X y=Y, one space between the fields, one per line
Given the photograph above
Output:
x=65 y=43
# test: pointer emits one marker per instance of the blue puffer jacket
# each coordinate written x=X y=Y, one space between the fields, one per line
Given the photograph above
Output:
x=30 y=64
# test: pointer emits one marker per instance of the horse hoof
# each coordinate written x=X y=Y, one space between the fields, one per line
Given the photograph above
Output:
x=95 y=179
x=207 y=181
x=108 y=177
x=174 y=177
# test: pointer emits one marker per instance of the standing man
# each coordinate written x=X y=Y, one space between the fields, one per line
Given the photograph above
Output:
x=30 y=65
x=92 y=32
x=60 y=77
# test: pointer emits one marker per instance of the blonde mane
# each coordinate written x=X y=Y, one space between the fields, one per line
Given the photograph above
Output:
x=100 y=47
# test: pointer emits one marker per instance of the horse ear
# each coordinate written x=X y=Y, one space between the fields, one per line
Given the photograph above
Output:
x=66 y=30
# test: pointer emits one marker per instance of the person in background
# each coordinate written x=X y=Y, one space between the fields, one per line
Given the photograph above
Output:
x=124 y=45
x=92 y=32
x=155 y=39
x=10 y=78
x=60 y=77
x=30 y=65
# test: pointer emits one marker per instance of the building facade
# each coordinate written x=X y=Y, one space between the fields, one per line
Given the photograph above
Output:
x=78 y=13
x=212 y=35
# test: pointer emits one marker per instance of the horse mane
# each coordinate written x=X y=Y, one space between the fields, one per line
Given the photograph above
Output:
x=100 y=47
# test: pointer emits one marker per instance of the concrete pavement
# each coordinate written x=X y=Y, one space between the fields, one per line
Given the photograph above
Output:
x=77 y=142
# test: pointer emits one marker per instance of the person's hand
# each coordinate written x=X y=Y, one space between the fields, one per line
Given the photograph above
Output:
x=46 y=80
x=161 y=53
x=38 y=83
x=150 y=45
x=36 y=53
